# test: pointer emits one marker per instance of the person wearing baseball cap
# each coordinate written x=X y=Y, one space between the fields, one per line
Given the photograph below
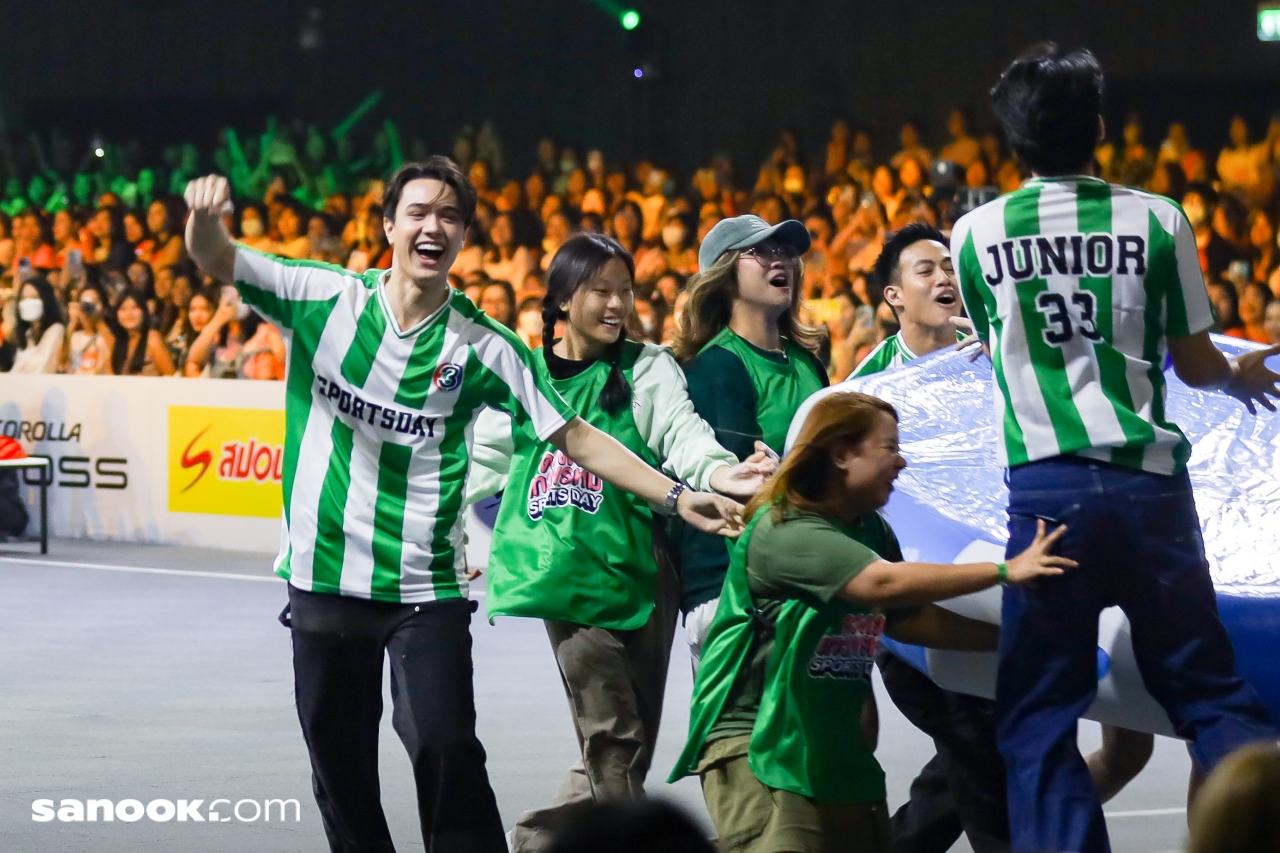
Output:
x=750 y=363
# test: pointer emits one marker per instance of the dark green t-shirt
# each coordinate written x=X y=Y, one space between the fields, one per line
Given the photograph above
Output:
x=746 y=395
x=805 y=555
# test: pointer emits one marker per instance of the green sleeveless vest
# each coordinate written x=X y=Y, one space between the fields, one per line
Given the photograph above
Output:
x=568 y=546
x=807 y=738
x=780 y=388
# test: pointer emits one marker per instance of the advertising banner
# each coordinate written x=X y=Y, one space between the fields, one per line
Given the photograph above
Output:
x=150 y=459
x=225 y=461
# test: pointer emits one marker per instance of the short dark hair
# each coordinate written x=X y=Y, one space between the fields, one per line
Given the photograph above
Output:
x=442 y=169
x=1048 y=104
x=897 y=243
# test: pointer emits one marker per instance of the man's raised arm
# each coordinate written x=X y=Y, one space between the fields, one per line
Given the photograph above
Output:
x=208 y=241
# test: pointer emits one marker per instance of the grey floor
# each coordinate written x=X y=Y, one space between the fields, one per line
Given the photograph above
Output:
x=175 y=683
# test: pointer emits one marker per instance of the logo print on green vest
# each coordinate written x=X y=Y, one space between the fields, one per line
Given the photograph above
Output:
x=562 y=482
x=848 y=654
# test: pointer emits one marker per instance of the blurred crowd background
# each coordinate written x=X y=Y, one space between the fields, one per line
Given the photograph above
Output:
x=96 y=278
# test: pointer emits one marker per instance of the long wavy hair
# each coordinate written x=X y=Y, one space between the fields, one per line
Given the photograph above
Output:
x=576 y=263
x=806 y=479
x=710 y=305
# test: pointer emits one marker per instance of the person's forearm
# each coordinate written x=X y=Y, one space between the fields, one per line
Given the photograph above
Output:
x=1198 y=362
x=211 y=246
x=939 y=628
x=203 y=344
x=885 y=584
x=605 y=456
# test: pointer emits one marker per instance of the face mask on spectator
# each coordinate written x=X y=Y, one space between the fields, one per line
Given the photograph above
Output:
x=242 y=311
x=251 y=227
x=30 y=310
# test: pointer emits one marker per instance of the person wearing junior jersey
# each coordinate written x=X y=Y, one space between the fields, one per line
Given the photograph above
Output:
x=387 y=371
x=1080 y=289
x=814 y=580
x=578 y=553
x=962 y=788
x=749 y=361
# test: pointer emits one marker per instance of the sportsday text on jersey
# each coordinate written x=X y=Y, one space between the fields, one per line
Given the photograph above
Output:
x=848 y=654
x=562 y=482
x=387 y=417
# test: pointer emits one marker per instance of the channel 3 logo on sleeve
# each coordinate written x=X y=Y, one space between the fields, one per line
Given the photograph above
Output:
x=226 y=461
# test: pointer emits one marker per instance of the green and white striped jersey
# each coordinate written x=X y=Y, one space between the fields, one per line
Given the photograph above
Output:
x=889 y=353
x=1076 y=285
x=378 y=426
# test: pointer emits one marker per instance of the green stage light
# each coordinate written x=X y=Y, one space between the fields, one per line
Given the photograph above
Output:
x=630 y=19
x=1268 y=22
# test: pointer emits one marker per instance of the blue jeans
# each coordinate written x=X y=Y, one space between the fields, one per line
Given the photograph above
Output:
x=1137 y=539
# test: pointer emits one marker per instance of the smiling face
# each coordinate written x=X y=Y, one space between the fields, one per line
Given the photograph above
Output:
x=599 y=308
x=427 y=231
x=923 y=291
x=868 y=469
x=769 y=277
x=129 y=315
x=199 y=312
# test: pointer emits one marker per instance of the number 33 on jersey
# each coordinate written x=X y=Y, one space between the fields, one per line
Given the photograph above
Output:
x=1076 y=285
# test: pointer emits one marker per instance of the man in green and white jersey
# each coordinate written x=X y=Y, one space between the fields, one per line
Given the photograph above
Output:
x=387 y=372
x=1080 y=288
x=919 y=282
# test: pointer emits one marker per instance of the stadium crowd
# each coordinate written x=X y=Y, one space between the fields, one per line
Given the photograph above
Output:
x=97 y=280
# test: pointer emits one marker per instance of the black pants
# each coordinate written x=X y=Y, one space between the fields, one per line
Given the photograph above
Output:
x=338 y=648
x=962 y=788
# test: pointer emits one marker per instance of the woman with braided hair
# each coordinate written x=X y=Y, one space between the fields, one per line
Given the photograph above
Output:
x=589 y=559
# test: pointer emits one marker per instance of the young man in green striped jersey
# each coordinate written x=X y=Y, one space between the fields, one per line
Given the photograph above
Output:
x=387 y=372
x=1080 y=288
x=915 y=270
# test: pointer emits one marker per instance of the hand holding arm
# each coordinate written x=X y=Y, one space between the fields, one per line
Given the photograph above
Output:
x=743 y=480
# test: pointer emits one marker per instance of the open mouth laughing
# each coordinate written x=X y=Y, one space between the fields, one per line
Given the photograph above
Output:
x=429 y=251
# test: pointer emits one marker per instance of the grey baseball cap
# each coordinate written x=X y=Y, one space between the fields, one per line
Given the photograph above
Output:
x=741 y=232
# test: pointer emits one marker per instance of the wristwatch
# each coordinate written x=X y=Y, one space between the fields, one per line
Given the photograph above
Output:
x=673 y=497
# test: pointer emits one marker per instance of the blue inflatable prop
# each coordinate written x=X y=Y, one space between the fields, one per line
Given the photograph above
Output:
x=949 y=506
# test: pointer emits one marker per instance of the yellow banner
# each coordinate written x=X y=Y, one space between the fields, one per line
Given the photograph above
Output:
x=226 y=461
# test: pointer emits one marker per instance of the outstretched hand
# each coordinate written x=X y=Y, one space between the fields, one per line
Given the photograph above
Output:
x=1252 y=381
x=710 y=513
x=1036 y=561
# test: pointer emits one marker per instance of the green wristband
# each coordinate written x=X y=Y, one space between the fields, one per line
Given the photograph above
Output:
x=1002 y=573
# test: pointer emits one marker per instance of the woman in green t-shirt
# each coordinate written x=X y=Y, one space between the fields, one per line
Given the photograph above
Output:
x=750 y=364
x=814 y=580
x=586 y=557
